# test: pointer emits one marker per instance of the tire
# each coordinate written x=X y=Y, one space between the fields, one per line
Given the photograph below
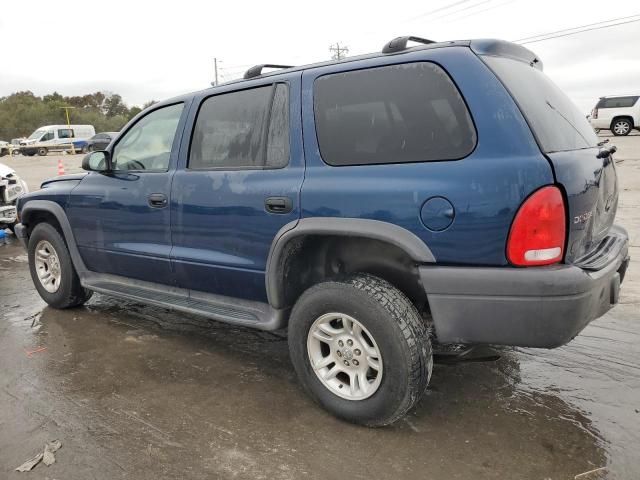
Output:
x=67 y=291
x=42 y=151
x=394 y=329
x=621 y=127
x=85 y=149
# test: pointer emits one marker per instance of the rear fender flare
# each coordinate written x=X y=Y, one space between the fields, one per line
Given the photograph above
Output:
x=393 y=234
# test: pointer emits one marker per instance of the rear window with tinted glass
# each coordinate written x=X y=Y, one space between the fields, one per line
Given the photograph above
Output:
x=556 y=122
x=393 y=114
x=617 y=102
x=243 y=129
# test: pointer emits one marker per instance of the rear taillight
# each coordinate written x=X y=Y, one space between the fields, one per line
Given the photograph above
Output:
x=594 y=113
x=537 y=235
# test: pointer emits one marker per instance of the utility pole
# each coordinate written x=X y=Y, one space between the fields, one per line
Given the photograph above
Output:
x=338 y=52
x=215 y=69
x=66 y=110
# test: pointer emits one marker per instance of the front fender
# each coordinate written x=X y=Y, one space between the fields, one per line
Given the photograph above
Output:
x=29 y=210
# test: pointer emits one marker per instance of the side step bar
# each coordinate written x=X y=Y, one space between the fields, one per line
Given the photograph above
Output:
x=224 y=309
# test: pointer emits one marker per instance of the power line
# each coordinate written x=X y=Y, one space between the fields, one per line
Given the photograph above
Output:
x=477 y=12
x=446 y=7
x=455 y=12
x=580 y=29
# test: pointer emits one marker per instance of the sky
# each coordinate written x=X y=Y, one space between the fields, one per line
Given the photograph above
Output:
x=148 y=50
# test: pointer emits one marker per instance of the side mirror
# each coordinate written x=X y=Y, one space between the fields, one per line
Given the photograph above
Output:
x=98 y=161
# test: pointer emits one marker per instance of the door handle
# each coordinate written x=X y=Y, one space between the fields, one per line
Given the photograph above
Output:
x=157 y=200
x=278 y=204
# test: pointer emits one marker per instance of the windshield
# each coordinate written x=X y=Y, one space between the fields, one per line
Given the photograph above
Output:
x=556 y=122
x=37 y=134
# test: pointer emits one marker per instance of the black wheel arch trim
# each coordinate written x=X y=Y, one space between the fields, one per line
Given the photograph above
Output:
x=34 y=206
x=352 y=227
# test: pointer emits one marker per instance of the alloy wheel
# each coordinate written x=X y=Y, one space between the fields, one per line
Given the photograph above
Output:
x=48 y=266
x=344 y=356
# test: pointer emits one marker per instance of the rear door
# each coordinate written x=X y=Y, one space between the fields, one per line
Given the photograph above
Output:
x=238 y=185
x=571 y=145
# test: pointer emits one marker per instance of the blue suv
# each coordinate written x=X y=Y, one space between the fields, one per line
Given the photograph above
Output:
x=446 y=192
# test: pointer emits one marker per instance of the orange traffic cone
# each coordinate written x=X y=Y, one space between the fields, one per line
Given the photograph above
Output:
x=60 y=167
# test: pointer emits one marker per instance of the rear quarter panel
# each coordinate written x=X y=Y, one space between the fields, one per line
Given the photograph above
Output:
x=486 y=188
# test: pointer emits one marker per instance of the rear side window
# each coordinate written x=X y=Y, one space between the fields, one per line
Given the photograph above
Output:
x=393 y=114
x=617 y=102
x=65 y=133
x=244 y=129
x=556 y=122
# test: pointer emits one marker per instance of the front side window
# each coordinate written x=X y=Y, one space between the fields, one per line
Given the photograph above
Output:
x=47 y=136
x=393 y=114
x=36 y=135
x=147 y=145
x=244 y=129
x=65 y=133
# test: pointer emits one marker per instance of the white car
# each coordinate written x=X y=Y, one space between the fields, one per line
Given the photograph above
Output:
x=619 y=113
x=55 y=137
x=11 y=187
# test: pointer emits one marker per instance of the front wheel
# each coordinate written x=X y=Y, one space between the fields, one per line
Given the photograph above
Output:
x=621 y=127
x=42 y=151
x=52 y=271
x=360 y=349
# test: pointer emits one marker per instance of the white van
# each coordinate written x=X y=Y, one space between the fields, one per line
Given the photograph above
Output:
x=619 y=113
x=56 y=137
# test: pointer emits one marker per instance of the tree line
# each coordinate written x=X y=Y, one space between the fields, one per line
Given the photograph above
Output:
x=21 y=113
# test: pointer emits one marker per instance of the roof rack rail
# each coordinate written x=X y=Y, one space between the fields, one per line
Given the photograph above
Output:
x=256 y=70
x=400 y=43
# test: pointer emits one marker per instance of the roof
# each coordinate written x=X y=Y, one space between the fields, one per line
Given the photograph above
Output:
x=397 y=46
x=298 y=68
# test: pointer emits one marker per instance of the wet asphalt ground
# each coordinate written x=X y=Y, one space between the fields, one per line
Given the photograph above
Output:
x=140 y=392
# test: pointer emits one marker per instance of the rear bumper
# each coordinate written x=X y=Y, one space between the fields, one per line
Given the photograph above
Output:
x=531 y=307
x=600 y=123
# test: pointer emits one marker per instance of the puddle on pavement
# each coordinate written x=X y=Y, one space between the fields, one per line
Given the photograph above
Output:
x=160 y=391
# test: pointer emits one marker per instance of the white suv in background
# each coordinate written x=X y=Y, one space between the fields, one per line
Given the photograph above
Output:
x=620 y=114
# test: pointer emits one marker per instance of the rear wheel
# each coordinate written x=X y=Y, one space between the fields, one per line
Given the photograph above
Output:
x=621 y=127
x=52 y=271
x=360 y=349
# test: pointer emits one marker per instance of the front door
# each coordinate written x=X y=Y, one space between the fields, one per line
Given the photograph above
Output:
x=120 y=218
x=238 y=184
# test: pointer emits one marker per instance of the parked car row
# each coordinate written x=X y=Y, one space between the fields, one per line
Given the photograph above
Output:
x=51 y=138
x=56 y=138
